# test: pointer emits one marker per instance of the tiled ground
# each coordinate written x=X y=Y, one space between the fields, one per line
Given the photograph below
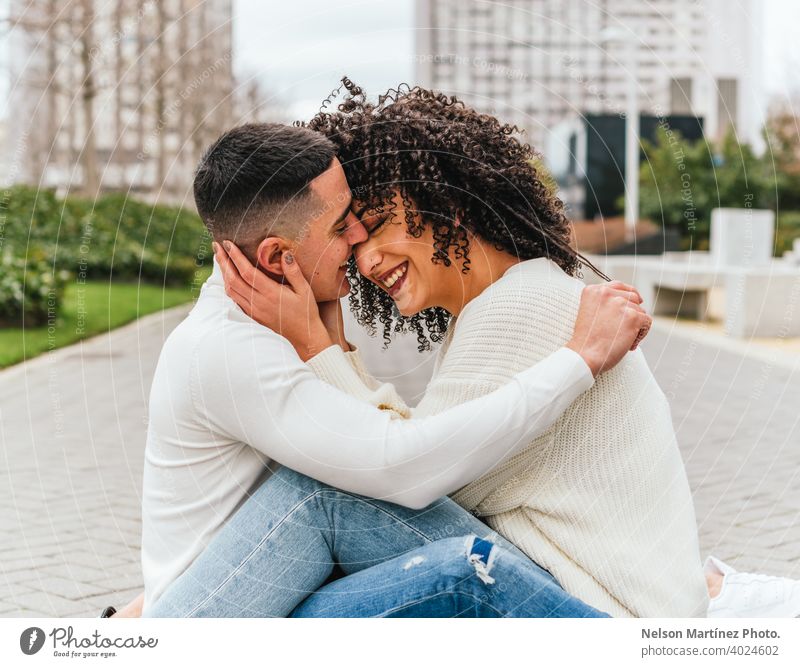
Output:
x=72 y=431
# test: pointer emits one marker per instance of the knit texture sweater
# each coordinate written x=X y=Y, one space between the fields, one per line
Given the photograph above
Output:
x=601 y=499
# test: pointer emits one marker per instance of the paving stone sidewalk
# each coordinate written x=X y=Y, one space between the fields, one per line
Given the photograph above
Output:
x=72 y=430
x=72 y=433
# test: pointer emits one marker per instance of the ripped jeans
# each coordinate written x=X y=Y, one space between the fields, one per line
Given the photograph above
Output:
x=274 y=555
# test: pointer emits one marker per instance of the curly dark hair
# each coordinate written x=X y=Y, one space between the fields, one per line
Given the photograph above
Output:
x=458 y=170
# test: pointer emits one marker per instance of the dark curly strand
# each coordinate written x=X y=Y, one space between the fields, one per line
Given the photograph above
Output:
x=459 y=170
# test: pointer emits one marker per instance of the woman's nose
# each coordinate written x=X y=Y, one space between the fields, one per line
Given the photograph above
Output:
x=368 y=256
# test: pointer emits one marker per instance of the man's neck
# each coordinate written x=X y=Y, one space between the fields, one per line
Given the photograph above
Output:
x=331 y=314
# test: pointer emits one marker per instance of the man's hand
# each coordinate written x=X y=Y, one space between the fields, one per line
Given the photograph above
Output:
x=611 y=321
x=288 y=309
x=133 y=609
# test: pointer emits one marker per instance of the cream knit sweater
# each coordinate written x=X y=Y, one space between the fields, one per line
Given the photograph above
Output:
x=601 y=500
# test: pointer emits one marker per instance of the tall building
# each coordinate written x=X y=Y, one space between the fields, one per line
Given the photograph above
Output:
x=535 y=62
x=120 y=95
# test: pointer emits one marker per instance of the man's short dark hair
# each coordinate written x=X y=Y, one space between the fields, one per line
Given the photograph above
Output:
x=252 y=182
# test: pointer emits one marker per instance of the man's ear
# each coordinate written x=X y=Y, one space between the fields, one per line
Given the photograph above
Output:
x=268 y=254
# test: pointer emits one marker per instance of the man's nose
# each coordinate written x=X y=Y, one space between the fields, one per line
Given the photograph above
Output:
x=356 y=232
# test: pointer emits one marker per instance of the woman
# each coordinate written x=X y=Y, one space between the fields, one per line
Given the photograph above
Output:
x=461 y=225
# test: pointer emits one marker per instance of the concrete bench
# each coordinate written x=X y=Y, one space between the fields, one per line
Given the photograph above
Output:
x=762 y=295
x=761 y=302
x=669 y=286
x=681 y=289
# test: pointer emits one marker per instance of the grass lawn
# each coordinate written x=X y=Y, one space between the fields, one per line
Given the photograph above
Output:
x=88 y=310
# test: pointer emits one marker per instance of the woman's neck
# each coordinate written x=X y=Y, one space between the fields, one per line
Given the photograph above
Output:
x=487 y=265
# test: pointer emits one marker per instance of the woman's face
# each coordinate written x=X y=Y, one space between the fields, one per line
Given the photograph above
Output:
x=401 y=264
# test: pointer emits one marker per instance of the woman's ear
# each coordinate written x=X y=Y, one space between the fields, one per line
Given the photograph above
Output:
x=268 y=254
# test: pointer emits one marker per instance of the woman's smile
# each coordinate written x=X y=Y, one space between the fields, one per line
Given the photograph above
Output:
x=393 y=280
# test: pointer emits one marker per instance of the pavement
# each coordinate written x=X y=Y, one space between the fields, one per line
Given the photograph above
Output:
x=72 y=434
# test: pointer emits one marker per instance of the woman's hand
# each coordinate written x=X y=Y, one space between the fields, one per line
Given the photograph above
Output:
x=610 y=322
x=288 y=309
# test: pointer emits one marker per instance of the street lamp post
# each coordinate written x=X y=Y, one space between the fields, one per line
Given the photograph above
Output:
x=625 y=37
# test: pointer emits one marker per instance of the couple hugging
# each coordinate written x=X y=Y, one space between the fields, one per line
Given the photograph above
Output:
x=539 y=475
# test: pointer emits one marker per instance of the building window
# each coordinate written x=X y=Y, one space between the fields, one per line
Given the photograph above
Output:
x=727 y=108
x=680 y=96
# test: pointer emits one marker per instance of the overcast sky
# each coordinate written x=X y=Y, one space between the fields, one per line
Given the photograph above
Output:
x=300 y=48
x=781 y=45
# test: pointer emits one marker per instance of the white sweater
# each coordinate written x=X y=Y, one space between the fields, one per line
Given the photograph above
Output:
x=228 y=395
x=601 y=499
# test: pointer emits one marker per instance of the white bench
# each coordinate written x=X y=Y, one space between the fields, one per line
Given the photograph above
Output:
x=759 y=301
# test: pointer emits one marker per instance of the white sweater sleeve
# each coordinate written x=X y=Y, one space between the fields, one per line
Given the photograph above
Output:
x=258 y=391
x=346 y=372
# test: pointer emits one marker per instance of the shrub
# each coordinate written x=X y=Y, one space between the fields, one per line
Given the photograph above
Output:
x=30 y=290
x=681 y=182
x=111 y=238
x=787 y=228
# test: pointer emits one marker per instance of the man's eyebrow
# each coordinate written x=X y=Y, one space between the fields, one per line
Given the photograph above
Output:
x=344 y=213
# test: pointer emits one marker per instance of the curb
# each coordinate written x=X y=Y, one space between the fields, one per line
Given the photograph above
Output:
x=748 y=348
x=104 y=340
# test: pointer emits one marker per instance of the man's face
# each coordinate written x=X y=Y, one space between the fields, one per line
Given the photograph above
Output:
x=333 y=230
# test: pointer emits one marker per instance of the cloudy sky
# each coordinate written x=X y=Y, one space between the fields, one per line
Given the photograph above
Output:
x=299 y=49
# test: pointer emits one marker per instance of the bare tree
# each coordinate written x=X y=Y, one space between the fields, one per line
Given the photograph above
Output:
x=782 y=129
x=59 y=26
x=160 y=74
x=37 y=23
x=50 y=92
x=91 y=180
x=186 y=70
x=119 y=65
x=140 y=73
x=198 y=109
x=180 y=77
x=253 y=104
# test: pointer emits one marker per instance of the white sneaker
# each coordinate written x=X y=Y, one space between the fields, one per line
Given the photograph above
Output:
x=745 y=595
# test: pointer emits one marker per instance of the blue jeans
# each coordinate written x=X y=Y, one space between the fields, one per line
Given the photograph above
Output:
x=282 y=544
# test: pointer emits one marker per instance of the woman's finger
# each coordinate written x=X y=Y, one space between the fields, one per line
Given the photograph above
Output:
x=637 y=307
x=230 y=273
x=249 y=273
x=643 y=331
x=229 y=270
x=242 y=297
x=628 y=296
x=294 y=276
x=620 y=286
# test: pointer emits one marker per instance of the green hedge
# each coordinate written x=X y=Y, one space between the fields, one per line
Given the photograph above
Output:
x=787 y=228
x=111 y=238
x=682 y=181
x=31 y=291
x=46 y=241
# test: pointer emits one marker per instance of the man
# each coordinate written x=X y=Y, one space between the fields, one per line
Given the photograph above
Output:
x=229 y=396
